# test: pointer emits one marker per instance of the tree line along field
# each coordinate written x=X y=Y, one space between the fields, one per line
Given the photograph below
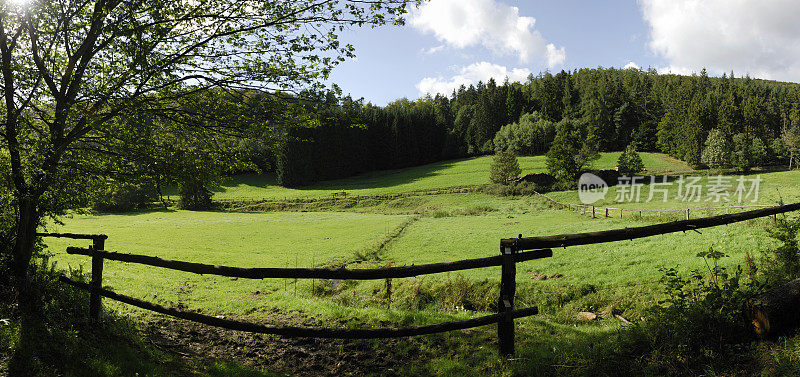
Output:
x=620 y=277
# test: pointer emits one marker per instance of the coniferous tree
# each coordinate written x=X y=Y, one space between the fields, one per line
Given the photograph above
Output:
x=717 y=152
x=629 y=162
x=505 y=167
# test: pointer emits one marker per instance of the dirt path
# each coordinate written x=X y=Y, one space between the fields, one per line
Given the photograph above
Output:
x=294 y=356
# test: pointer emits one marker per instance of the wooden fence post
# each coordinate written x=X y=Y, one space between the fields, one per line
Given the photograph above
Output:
x=98 y=243
x=593 y=213
x=508 y=287
x=687 y=214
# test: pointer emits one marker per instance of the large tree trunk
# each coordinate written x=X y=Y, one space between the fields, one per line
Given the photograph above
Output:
x=776 y=310
x=27 y=223
x=29 y=305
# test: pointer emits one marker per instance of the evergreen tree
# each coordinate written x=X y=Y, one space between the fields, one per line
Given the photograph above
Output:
x=717 y=152
x=505 y=167
x=742 y=152
x=629 y=162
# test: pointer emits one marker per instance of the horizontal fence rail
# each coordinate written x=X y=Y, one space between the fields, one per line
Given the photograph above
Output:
x=293 y=331
x=540 y=247
x=310 y=273
x=565 y=240
x=74 y=236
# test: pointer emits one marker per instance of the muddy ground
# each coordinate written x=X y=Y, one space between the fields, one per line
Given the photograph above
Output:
x=191 y=342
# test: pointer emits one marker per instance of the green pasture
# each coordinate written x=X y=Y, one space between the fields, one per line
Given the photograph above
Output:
x=622 y=277
x=773 y=188
x=332 y=238
x=453 y=173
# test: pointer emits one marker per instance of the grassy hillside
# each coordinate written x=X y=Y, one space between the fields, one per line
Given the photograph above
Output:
x=453 y=173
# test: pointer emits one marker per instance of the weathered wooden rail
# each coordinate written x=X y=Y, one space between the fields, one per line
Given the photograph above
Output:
x=504 y=318
x=564 y=240
x=512 y=251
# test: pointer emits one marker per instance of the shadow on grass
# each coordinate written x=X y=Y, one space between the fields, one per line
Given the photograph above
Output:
x=60 y=340
x=368 y=180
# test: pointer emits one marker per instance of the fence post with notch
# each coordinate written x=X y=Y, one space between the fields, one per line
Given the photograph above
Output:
x=508 y=287
x=98 y=243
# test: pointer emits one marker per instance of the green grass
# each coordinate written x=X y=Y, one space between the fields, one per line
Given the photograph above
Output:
x=316 y=239
x=453 y=173
x=233 y=239
x=415 y=230
x=774 y=188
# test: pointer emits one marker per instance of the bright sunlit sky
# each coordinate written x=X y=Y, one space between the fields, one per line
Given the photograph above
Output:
x=449 y=42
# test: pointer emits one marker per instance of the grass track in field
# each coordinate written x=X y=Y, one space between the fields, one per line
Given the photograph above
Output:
x=276 y=239
x=232 y=239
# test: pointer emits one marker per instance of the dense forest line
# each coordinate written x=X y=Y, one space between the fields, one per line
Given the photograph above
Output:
x=615 y=107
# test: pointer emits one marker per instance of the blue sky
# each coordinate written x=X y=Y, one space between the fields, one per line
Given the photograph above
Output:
x=448 y=42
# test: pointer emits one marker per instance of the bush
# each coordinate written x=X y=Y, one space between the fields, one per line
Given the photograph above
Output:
x=60 y=340
x=512 y=189
x=629 y=162
x=531 y=135
x=505 y=167
x=782 y=264
x=778 y=153
x=194 y=196
x=699 y=322
x=125 y=197
x=759 y=151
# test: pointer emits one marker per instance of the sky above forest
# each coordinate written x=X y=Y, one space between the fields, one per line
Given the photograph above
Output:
x=446 y=43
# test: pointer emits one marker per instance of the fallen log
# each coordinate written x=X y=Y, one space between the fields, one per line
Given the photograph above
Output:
x=776 y=310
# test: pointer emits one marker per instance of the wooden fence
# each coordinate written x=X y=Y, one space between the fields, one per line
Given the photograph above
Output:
x=512 y=252
x=504 y=318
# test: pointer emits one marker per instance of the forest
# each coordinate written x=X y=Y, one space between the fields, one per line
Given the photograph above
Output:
x=613 y=107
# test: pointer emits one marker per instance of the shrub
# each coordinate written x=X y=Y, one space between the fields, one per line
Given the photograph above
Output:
x=512 y=189
x=629 y=162
x=125 y=197
x=778 y=152
x=505 y=167
x=758 y=151
x=782 y=264
x=747 y=152
x=698 y=323
x=194 y=196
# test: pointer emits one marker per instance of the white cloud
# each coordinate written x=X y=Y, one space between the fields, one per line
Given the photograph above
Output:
x=496 y=26
x=756 y=37
x=631 y=65
x=471 y=74
x=432 y=50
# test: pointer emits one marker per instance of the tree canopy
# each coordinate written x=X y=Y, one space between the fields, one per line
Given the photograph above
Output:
x=107 y=89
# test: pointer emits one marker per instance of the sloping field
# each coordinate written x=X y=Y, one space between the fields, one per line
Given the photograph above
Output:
x=453 y=173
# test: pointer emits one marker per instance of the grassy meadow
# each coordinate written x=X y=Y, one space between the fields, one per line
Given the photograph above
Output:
x=444 y=174
x=620 y=277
